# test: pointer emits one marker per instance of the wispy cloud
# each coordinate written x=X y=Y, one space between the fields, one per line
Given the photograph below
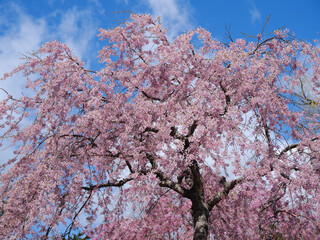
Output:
x=255 y=15
x=23 y=35
x=175 y=15
x=77 y=29
x=254 y=12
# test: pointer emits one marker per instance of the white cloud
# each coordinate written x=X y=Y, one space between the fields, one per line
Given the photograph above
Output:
x=22 y=37
x=175 y=15
x=24 y=34
x=77 y=29
x=255 y=14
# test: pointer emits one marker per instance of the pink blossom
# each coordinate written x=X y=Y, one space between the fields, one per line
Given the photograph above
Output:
x=179 y=141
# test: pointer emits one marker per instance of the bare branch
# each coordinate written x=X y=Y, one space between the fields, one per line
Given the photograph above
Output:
x=298 y=215
x=108 y=184
x=288 y=148
x=148 y=96
x=69 y=228
x=292 y=146
x=228 y=32
x=265 y=24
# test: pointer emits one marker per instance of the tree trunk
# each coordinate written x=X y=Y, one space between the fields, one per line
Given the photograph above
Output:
x=199 y=209
x=200 y=215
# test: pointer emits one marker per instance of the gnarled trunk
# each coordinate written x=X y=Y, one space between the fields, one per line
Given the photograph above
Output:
x=200 y=215
x=199 y=209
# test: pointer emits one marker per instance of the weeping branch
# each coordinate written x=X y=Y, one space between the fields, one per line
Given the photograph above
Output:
x=69 y=228
x=298 y=215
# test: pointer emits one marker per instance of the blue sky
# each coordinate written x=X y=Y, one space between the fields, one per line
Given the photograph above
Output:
x=26 y=24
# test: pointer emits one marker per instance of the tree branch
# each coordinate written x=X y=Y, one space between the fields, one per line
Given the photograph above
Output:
x=164 y=180
x=288 y=148
x=148 y=96
x=197 y=184
x=227 y=97
x=292 y=146
x=298 y=215
x=167 y=182
x=185 y=139
x=228 y=186
x=108 y=184
x=69 y=228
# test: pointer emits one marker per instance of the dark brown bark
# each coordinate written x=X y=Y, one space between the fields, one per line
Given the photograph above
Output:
x=199 y=209
x=200 y=215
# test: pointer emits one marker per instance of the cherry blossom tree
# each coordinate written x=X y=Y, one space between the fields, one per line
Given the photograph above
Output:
x=182 y=139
